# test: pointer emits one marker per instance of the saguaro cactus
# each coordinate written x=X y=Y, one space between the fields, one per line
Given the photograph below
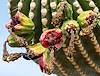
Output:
x=64 y=33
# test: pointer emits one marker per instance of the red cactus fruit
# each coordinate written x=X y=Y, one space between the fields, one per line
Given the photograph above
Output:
x=52 y=37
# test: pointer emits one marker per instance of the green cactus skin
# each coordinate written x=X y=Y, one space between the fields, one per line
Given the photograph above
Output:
x=11 y=41
x=84 y=5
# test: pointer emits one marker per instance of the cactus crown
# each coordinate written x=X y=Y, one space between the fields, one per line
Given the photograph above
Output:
x=43 y=26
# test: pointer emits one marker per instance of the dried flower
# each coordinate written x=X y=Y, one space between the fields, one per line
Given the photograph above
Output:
x=57 y=19
x=70 y=25
x=86 y=18
x=40 y=53
x=45 y=62
x=20 y=23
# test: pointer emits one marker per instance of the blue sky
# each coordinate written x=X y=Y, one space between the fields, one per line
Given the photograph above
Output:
x=20 y=67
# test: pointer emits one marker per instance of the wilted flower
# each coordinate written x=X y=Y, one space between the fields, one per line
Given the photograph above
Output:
x=37 y=49
x=86 y=18
x=52 y=37
x=42 y=55
x=20 y=23
x=57 y=19
x=45 y=62
x=41 y=63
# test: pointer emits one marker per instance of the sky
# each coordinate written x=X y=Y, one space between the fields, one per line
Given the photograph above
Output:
x=19 y=67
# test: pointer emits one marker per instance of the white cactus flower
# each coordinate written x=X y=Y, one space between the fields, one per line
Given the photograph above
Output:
x=32 y=5
x=44 y=21
x=43 y=11
x=54 y=13
x=76 y=4
x=91 y=4
x=79 y=10
x=44 y=2
x=31 y=15
x=20 y=5
x=53 y=5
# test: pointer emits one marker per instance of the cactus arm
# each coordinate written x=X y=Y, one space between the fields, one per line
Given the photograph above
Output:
x=95 y=8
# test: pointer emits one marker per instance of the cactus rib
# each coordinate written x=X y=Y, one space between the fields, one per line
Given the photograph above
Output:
x=60 y=67
x=85 y=55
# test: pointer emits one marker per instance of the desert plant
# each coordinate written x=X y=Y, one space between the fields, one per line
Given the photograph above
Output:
x=64 y=33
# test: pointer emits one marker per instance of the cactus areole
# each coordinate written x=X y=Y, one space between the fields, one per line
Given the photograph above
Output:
x=52 y=33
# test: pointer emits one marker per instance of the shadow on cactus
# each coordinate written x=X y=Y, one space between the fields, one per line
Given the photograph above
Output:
x=63 y=37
